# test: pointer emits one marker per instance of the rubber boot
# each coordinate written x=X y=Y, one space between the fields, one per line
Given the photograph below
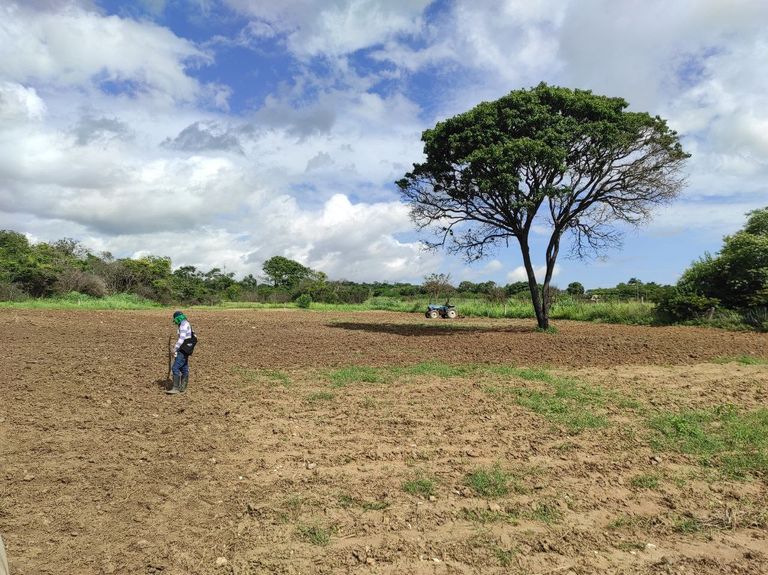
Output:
x=176 y=385
x=184 y=383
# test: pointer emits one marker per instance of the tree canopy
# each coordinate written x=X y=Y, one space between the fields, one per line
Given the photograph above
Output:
x=284 y=272
x=738 y=275
x=576 y=161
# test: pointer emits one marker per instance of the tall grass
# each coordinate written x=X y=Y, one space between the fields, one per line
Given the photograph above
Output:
x=75 y=300
x=636 y=313
x=629 y=312
x=608 y=312
x=632 y=312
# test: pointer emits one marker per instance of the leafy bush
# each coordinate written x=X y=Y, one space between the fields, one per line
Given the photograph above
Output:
x=304 y=301
x=682 y=306
x=738 y=274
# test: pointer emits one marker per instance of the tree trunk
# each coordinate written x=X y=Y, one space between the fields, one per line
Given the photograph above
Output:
x=542 y=318
x=552 y=249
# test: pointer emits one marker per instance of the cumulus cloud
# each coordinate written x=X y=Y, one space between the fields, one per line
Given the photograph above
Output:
x=73 y=46
x=205 y=136
x=130 y=152
x=319 y=161
x=90 y=129
x=303 y=121
x=345 y=240
x=19 y=104
x=123 y=198
x=520 y=275
x=336 y=27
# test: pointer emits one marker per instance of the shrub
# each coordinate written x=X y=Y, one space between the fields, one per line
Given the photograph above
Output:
x=682 y=306
x=304 y=301
x=72 y=280
x=757 y=318
x=11 y=292
x=278 y=296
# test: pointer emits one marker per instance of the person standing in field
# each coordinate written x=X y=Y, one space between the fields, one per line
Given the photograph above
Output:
x=183 y=348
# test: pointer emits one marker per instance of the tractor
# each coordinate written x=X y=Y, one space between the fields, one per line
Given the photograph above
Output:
x=445 y=311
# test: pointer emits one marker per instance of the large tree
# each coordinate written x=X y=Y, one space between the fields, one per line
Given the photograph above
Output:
x=578 y=161
x=286 y=273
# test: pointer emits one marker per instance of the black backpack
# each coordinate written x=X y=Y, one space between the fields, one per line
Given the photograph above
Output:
x=188 y=345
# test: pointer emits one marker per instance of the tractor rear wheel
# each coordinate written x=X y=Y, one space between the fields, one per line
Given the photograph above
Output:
x=451 y=313
x=432 y=314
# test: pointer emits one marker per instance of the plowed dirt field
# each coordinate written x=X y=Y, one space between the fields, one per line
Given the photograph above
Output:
x=379 y=443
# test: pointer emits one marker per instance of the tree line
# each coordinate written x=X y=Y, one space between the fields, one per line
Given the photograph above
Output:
x=734 y=280
x=40 y=270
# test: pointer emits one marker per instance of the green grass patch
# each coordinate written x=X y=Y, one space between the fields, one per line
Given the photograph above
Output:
x=277 y=376
x=645 y=481
x=734 y=443
x=505 y=557
x=687 y=525
x=549 y=329
x=421 y=486
x=291 y=508
x=533 y=374
x=631 y=522
x=438 y=369
x=490 y=482
x=358 y=374
x=253 y=375
x=545 y=511
x=742 y=359
x=314 y=534
x=321 y=396
x=365 y=374
x=630 y=546
x=628 y=403
x=566 y=402
x=348 y=501
x=486 y=516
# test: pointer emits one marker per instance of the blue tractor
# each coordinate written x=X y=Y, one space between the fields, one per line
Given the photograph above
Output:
x=445 y=311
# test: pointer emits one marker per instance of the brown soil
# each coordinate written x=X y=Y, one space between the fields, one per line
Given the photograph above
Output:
x=100 y=472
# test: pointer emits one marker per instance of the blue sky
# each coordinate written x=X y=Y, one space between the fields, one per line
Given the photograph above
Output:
x=223 y=132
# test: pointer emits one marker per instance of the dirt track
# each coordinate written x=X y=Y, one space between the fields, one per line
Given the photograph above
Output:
x=102 y=473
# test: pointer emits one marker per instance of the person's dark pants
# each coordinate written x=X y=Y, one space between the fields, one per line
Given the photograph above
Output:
x=181 y=365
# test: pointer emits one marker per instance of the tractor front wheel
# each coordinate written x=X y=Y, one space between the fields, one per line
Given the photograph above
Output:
x=432 y=314
x=451 y=313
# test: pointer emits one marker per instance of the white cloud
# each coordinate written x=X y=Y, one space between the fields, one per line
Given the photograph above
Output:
x=714 y=218
x=19 y=104
x=493 y=266
x=309 y=174
x=73 y=46
x=520 y=275
x=336 y=27
x=345 y=240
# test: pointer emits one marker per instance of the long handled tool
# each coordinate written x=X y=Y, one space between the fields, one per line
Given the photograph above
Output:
x=170 y=356
x=3 y=559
